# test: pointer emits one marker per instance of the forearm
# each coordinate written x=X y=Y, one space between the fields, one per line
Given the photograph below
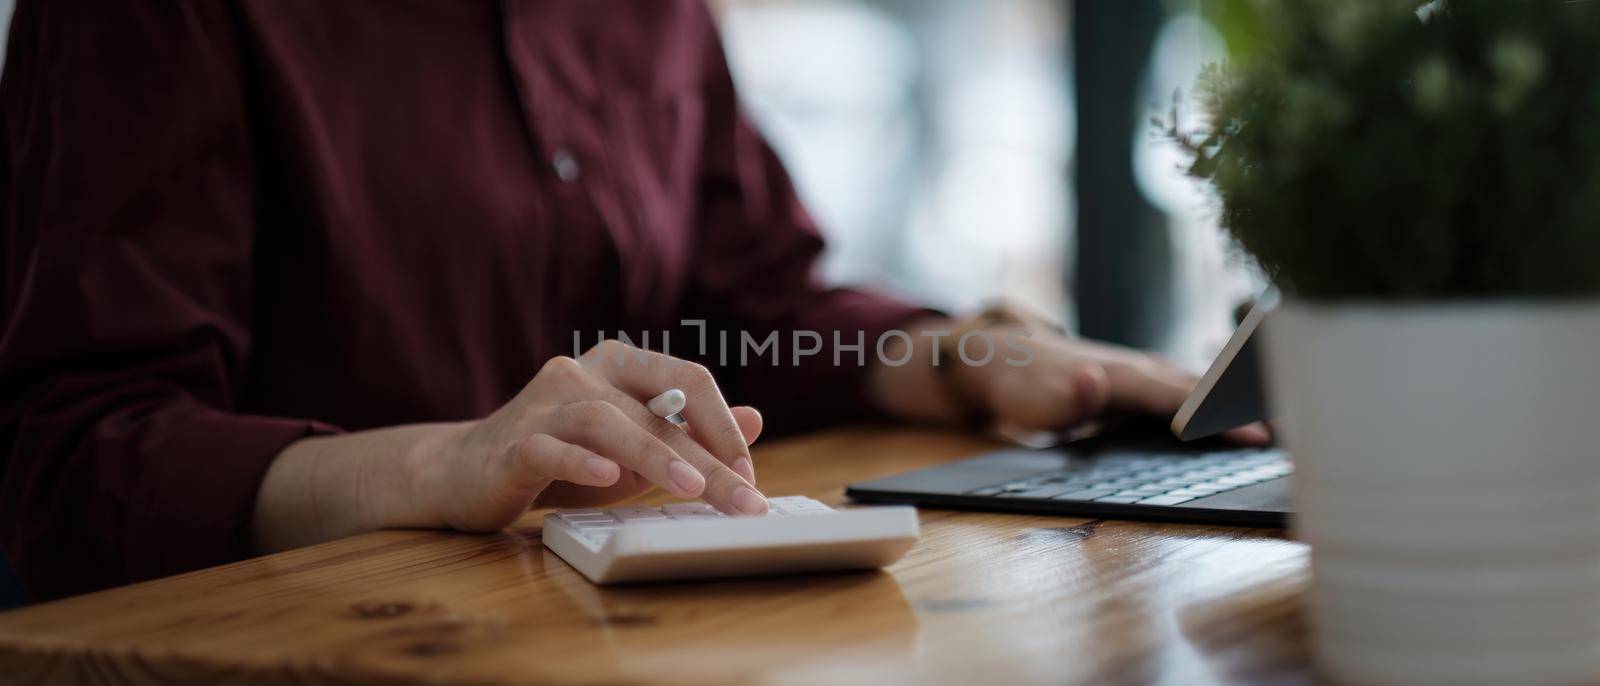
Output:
x=324 y=488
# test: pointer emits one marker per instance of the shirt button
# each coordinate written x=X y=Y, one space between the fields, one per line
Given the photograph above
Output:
x=565 y=164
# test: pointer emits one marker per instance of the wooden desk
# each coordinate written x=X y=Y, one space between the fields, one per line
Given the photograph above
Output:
x=983 y=598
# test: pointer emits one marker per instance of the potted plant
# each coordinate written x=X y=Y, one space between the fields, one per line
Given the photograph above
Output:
x=1424 y=186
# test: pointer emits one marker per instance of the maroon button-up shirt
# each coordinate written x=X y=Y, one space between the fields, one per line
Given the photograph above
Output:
x=227 y=225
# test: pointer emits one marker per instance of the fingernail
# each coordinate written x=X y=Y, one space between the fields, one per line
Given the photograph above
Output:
x=745 y=469
x=749 y=502
x=600 y=468
x=688 y=481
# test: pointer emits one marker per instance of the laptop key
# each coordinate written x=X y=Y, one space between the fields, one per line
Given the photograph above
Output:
x=1045 y=492
x=1087 y=494
x=1119 y=499
x=1166 y=500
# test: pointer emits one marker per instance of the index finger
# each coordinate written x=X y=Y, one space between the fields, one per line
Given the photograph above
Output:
x=724 y=488
x=644 y=374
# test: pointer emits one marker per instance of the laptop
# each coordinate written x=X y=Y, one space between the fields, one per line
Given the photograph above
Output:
x=1179 y=473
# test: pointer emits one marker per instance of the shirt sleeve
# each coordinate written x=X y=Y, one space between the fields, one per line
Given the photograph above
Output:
x=755 y=274
x=129 y=199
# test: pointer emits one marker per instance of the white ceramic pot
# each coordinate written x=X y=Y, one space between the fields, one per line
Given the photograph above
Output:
x=1447 y=477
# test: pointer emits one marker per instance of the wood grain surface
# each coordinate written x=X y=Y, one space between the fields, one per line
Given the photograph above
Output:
x=981 y=599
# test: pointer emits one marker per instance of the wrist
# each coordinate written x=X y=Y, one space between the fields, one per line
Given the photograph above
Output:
x=910 y=389
x=982 y=338
x=409 y=498
x=962 y=385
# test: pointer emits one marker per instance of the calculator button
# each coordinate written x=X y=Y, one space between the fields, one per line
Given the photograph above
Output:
x=797 y=504
x=636 y=513
x=805 y=507
x=686 y=508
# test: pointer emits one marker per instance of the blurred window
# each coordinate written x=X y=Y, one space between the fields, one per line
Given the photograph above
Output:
x=1210 y=277
x=930 y=138
x=934 y=142
x=6 y=7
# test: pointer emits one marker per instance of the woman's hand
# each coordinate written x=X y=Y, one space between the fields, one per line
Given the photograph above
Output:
x=1070 y=381
x=1058 y=382
x=579 y=433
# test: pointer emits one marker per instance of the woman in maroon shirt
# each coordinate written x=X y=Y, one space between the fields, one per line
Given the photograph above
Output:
x=280 y=271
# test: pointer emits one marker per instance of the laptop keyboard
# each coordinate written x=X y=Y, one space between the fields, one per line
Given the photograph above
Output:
x=1149 y=480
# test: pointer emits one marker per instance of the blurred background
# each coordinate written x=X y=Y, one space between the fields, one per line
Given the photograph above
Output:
x=955 y=151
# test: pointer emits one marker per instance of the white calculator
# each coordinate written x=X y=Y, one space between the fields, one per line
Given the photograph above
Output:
x=693 y=540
